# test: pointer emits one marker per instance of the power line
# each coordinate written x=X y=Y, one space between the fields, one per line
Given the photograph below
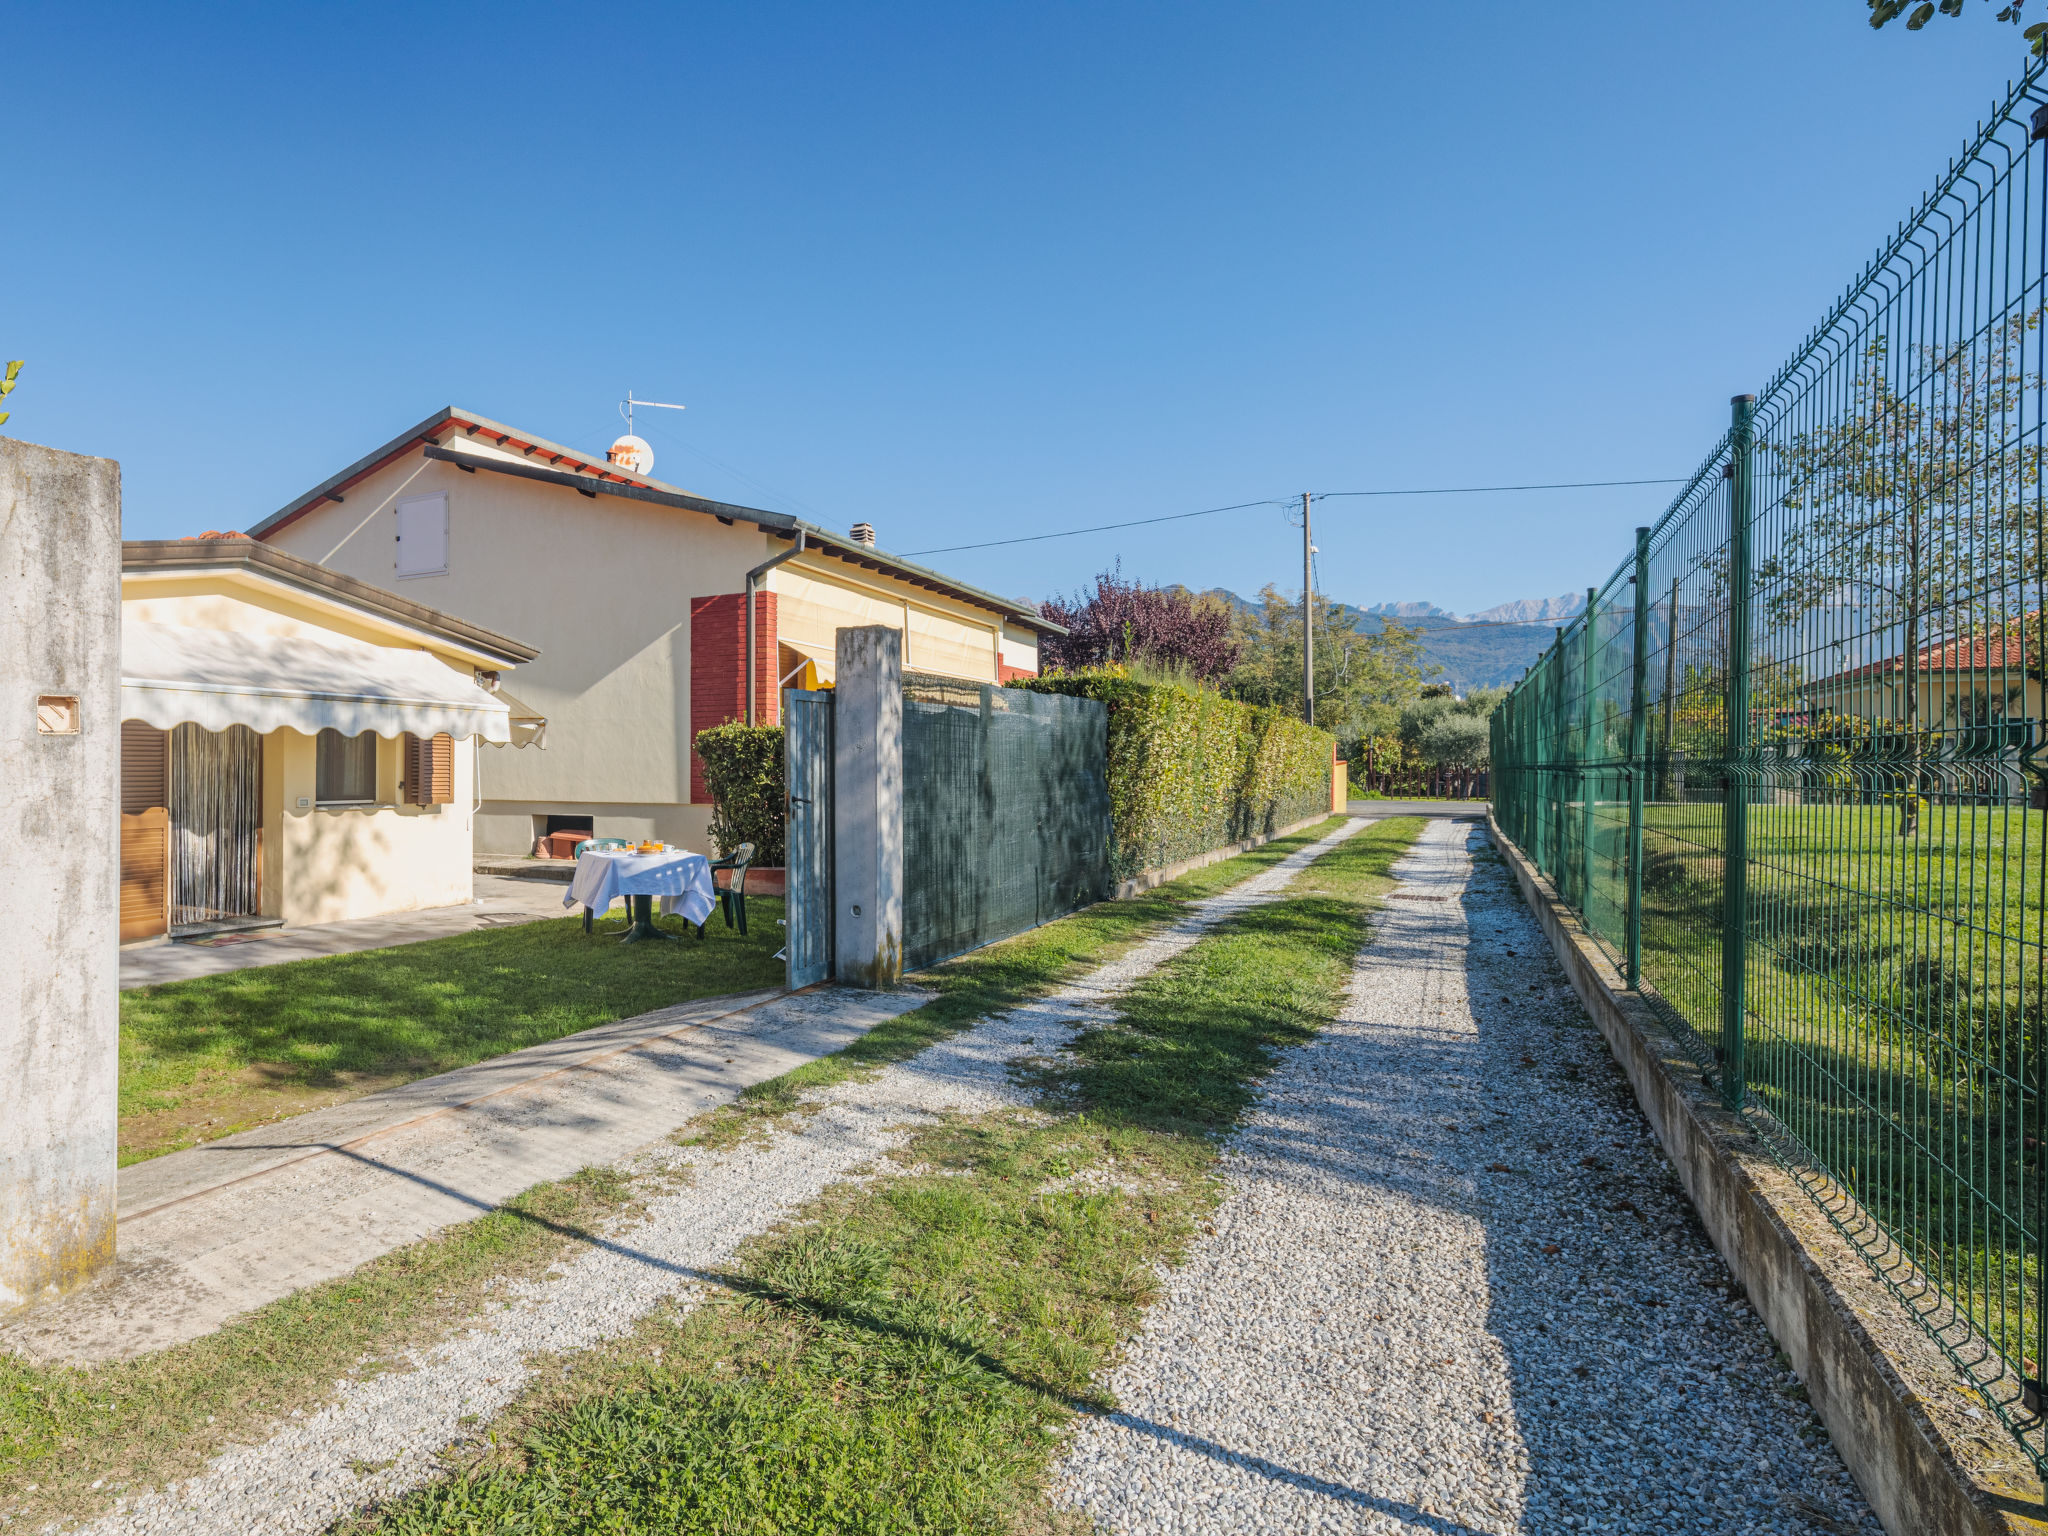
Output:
x=1474 y=490
x=1033 y=538
x=1175 y=517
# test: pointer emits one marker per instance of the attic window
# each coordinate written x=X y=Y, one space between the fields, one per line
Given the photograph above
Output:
x=422 y=536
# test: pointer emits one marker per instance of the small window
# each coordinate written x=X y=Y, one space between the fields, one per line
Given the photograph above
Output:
x=345 y=769
x=423 y=535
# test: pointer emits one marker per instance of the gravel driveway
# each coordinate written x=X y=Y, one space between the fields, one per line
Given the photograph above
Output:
x=383 y=1435
x=1454 y=1287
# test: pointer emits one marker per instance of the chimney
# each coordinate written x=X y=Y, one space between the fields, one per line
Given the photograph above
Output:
x=863 y=533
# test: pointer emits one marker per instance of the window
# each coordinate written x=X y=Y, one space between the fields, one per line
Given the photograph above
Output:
x=423 y=535
x=345 y=768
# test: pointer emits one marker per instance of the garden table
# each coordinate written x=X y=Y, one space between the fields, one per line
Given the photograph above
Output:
x=682 y=881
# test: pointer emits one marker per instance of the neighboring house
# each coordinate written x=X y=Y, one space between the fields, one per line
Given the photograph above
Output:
x=296 y=745
x=1974 y=681
x=634 y=591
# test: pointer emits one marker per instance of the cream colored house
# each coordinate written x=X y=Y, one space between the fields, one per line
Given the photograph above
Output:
x=296 y=746
x=1973 y=681
x=635 y=592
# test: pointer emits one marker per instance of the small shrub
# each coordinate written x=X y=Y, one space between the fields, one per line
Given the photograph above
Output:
x=743 y=765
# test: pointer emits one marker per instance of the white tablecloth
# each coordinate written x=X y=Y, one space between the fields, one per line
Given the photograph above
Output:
x=682 y=881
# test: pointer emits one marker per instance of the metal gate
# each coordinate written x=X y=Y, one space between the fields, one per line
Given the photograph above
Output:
x=807 y=783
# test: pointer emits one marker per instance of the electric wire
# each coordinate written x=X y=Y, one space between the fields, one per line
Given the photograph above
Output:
x=1285 y=502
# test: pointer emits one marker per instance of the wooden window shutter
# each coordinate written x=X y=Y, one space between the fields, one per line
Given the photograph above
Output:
x=429 y=770
x=441 y=779
x=409 y=776
x=142 y=768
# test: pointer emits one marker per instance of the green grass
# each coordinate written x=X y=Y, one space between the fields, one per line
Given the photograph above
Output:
x=206 y=1057
x=137 y=1423
x=906 y=1358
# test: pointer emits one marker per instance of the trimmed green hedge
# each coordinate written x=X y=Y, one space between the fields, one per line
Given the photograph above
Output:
x=743 y=765
x=1191 y=771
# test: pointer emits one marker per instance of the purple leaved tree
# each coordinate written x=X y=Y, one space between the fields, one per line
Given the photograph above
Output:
x=1123 y=621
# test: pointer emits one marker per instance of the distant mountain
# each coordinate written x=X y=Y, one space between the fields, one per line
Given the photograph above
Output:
x=1538 y=609
x=1488 y=650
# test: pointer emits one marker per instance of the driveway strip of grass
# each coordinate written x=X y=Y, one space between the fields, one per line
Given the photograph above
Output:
x=906 y=1357
x=133 y=1424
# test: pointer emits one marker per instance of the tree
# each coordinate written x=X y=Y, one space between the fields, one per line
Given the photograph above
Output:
x=1361 y=680
x=1914 y=503
x=7 y=387
x=1919 y=12
x=1124 y=621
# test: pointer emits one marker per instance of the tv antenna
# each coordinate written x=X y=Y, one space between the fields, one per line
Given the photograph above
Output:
x=626 y=407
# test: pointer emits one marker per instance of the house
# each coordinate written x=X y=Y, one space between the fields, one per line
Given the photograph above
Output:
x=1977 y=680
x=636 y=593
x=296 y=745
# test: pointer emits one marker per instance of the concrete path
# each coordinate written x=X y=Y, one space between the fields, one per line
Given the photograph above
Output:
x=216 y=1230
x=500 y=903
x=384 y=1434
x=1454 y=1288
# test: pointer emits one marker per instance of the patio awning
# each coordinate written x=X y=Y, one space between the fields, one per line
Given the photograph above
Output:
x=817 y=670
x=212 y=678
x=529 y=725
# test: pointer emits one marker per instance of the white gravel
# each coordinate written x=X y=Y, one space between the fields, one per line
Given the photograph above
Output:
x=398 y=1423
x=1384 y=1335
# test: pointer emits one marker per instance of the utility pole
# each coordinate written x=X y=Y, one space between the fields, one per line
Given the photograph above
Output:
x=1308 y=616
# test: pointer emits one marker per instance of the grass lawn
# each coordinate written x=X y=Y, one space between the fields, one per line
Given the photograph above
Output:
x=907 y=1358
x=134 y=1424
x=207 y=1057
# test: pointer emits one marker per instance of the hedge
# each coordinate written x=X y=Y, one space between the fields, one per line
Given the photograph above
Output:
x=1191 y=771
x=743 y=766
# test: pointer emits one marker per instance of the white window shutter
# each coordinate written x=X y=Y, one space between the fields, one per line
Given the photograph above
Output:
x=423 y=535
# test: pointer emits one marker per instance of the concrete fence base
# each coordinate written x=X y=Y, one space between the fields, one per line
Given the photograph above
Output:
x=1897 y=1411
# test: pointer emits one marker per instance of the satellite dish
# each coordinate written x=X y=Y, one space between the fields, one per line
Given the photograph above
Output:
x=632 y=453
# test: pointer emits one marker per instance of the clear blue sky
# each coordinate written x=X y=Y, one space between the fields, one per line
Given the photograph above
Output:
x=968 y=271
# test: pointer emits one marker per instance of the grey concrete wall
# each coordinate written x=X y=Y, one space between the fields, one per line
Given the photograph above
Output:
x=867 y=808
x=1894 y=1406
x=60 y=638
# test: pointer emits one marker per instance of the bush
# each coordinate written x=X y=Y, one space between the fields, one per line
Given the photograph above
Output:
x=743 y=765
x=1191 y=771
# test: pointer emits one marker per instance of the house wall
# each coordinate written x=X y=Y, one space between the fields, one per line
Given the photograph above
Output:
x=605 y=587
x=325 y=865
x=1940 y=696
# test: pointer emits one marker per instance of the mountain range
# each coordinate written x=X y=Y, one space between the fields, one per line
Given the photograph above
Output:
x=1487 y=649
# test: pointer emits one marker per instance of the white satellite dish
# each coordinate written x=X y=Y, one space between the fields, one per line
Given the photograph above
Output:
x=632 y=453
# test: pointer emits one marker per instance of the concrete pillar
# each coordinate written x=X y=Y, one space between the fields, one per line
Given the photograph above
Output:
x=60 y=734
x=867 y=808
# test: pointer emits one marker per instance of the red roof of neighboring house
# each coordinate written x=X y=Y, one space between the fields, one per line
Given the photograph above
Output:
x=1996 y=650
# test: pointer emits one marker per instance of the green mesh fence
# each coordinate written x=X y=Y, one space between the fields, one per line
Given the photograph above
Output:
x=1786 y=769
x=1005 y=813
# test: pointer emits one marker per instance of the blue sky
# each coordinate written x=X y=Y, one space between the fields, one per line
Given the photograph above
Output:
x=969 y=272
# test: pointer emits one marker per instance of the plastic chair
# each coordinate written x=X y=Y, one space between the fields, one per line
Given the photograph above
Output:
x=733 y=897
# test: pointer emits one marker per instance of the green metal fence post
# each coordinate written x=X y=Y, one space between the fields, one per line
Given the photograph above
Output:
x=1638 y=760
x=1588 y=692
x=1734 y=756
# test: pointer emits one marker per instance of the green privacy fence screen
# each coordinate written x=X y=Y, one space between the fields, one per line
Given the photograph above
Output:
x=1786 y=766
x=1005 y=813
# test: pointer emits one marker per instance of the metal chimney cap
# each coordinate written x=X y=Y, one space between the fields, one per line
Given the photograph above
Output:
x=862 y=533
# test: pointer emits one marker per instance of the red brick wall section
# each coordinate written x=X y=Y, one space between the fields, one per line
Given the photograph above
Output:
x=1006 y=673
x=718 y=679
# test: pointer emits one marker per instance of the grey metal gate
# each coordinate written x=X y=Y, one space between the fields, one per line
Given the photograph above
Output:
x=807 y=781
x=1006 y=819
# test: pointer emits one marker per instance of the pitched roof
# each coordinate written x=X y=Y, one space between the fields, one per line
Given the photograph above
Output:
x=443 y=435
x=1992 y=651
x=225 y=552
